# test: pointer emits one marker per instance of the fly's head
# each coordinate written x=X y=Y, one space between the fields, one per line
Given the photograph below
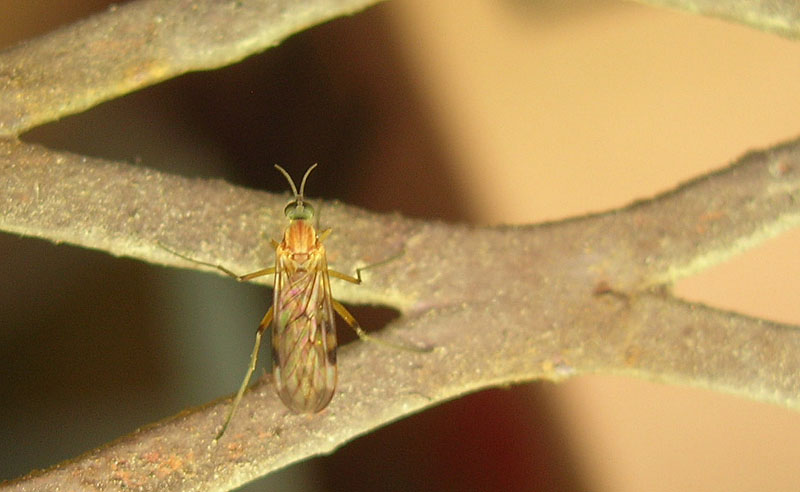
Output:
x=300 y=238
x=298 y=208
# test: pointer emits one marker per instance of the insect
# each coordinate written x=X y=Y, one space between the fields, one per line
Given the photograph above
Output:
x=301 y=315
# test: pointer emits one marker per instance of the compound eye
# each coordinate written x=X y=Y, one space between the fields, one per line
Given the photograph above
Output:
x=298 y=210
x=290 y=209
x=308 y=211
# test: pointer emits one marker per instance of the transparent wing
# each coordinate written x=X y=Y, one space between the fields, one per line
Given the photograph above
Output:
x=303 y=335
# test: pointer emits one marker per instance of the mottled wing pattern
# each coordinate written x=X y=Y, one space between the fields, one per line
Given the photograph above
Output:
x=303 y=334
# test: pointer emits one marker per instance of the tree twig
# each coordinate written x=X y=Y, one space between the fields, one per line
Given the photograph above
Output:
x=139 y=44
x=145 y=42
x=781 y=17
x=499 y=305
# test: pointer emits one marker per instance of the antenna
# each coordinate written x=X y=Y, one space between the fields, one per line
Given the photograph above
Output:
x=305 y=177
x=288 y=178
x=298 y=196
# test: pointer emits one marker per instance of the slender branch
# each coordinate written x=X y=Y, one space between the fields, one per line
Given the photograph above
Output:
x=127 y=210
x=666 y=339
x=142 y=43
x=781 y=17
x=705 y=221
x=139 y=44
x=650 y=337
x=498 y=304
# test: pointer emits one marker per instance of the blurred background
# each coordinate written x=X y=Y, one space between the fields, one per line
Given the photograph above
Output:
x=484 y=112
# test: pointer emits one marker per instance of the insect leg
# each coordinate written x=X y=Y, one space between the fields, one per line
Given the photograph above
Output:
x=344 y=276
x=351 y=320
x=240 y=278
x=253 y=359
x=357 y=278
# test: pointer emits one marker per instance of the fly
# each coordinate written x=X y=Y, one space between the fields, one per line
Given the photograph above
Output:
x=303 y=327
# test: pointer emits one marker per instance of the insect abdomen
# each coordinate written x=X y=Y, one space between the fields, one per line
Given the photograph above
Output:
x=303 y=353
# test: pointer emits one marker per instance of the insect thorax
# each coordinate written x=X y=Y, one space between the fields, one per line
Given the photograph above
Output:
x=300 y=238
